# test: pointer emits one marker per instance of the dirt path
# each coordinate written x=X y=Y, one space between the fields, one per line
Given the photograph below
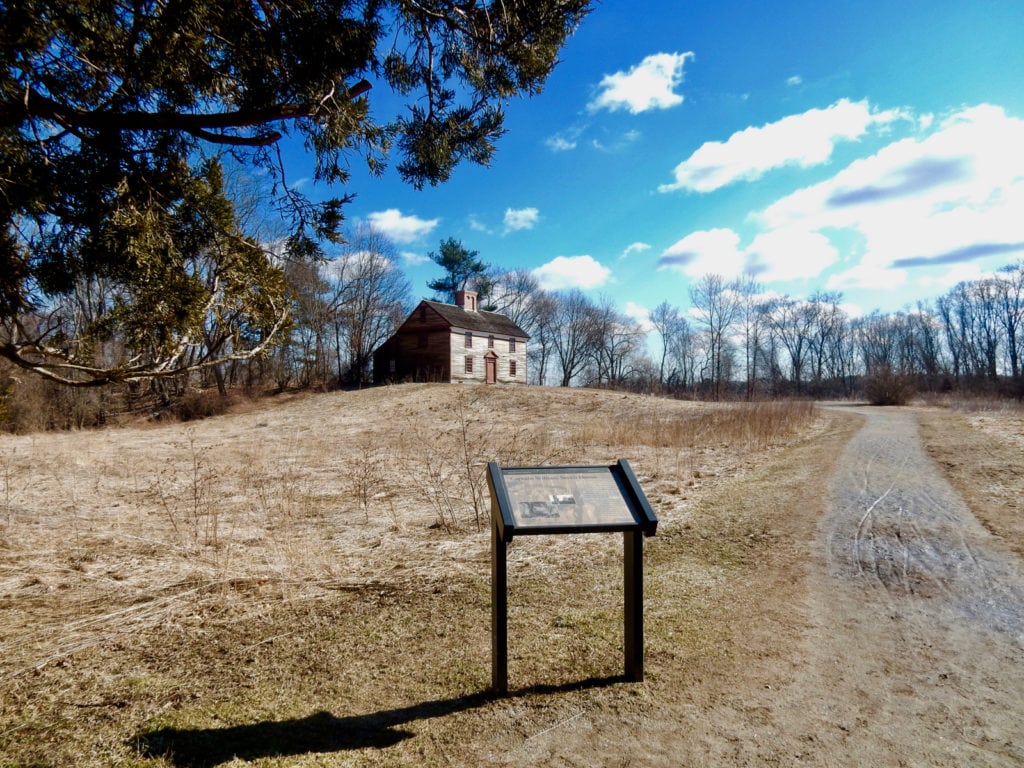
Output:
x=916 y=651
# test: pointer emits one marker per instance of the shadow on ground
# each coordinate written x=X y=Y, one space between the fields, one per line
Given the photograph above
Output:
x=319 y=732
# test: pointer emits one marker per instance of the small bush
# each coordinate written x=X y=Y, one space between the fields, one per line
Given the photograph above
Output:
x=201 y=405
x=888 y=388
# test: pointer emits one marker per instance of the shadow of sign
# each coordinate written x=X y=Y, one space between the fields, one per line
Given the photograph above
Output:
x=319 y=732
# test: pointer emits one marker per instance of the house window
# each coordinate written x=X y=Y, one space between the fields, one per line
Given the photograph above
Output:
x=490 y=342
x=469 y=339
x=469 y=363
x=512 y=368
x=511 y=345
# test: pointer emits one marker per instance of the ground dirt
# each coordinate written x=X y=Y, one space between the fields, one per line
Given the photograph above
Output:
x=306 y=584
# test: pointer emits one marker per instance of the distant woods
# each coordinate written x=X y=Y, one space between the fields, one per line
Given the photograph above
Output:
x=728 y=340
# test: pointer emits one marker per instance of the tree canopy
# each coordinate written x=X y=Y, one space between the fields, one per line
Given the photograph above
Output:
x=460 y=265
x=121 y=253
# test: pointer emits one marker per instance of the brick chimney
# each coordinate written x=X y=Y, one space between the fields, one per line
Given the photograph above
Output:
x=466 y=300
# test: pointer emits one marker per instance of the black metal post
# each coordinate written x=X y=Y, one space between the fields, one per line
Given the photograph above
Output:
x=633 y=600
x=499 y=611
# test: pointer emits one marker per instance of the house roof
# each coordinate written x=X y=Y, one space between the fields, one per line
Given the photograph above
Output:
x=485 y=322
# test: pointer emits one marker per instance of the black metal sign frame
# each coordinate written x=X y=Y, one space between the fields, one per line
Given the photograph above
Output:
x=530 y=501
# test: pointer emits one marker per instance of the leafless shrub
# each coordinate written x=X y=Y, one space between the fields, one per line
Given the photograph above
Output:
x=367 y=481
x=187 y=497
x=6 y=471
x=201 y=404
x=886 y=387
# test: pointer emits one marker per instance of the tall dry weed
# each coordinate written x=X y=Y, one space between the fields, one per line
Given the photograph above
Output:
x=753 y=425
x=189 y=498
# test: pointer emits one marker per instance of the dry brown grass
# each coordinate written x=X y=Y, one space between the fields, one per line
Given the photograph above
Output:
x=981 y=450
x=308 y=583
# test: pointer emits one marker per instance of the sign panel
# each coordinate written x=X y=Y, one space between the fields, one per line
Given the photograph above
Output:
x=582 y=499
x=576 y=499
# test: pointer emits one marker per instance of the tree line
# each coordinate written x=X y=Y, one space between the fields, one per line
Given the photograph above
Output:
x=735 y=340
x=731 y=340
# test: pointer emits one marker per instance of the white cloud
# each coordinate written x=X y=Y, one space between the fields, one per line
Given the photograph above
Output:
x=806 y=139
x=951 y=196
x=790 y=254
x=794 y=80
x=960 y=273
x=713 y=251
x=400 y=228
x=639 y=314
x=867 y=277
x=776 y=255
x=936 y=207
x=648 y=85
x=521 y=218
x=571 y=272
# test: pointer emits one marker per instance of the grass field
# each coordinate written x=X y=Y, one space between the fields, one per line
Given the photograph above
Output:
x=307 y=582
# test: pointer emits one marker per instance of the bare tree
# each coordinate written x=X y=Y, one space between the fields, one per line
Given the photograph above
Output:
x=614 y=344
x=717 y=305
x=544 y=329
x=668 y=324
x=1010 y=285
x=514 y=294
x=373 y=296
x=572 y=333
x=793 y=322
x=754 y=316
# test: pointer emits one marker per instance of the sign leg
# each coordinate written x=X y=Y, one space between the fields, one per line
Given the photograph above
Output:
x=633 y=600
x=499 y=612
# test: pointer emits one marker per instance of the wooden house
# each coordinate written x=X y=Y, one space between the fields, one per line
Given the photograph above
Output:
x=453 y=343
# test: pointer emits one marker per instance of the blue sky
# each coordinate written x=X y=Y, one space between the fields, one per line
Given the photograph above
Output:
x=872 y=148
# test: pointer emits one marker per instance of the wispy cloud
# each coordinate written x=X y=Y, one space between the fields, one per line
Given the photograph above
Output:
x=794 y=80
x=401 y=228
x=521 y=218
x=572 y=272
x=412 y=258
x=637 y=247
x=559 y=143
x=478 y=226
x=805 y=139
x=616 y=143
x=651 y=84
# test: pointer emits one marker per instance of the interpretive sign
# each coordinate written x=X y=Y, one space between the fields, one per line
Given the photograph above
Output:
x=553 y=500
x=591 y=499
